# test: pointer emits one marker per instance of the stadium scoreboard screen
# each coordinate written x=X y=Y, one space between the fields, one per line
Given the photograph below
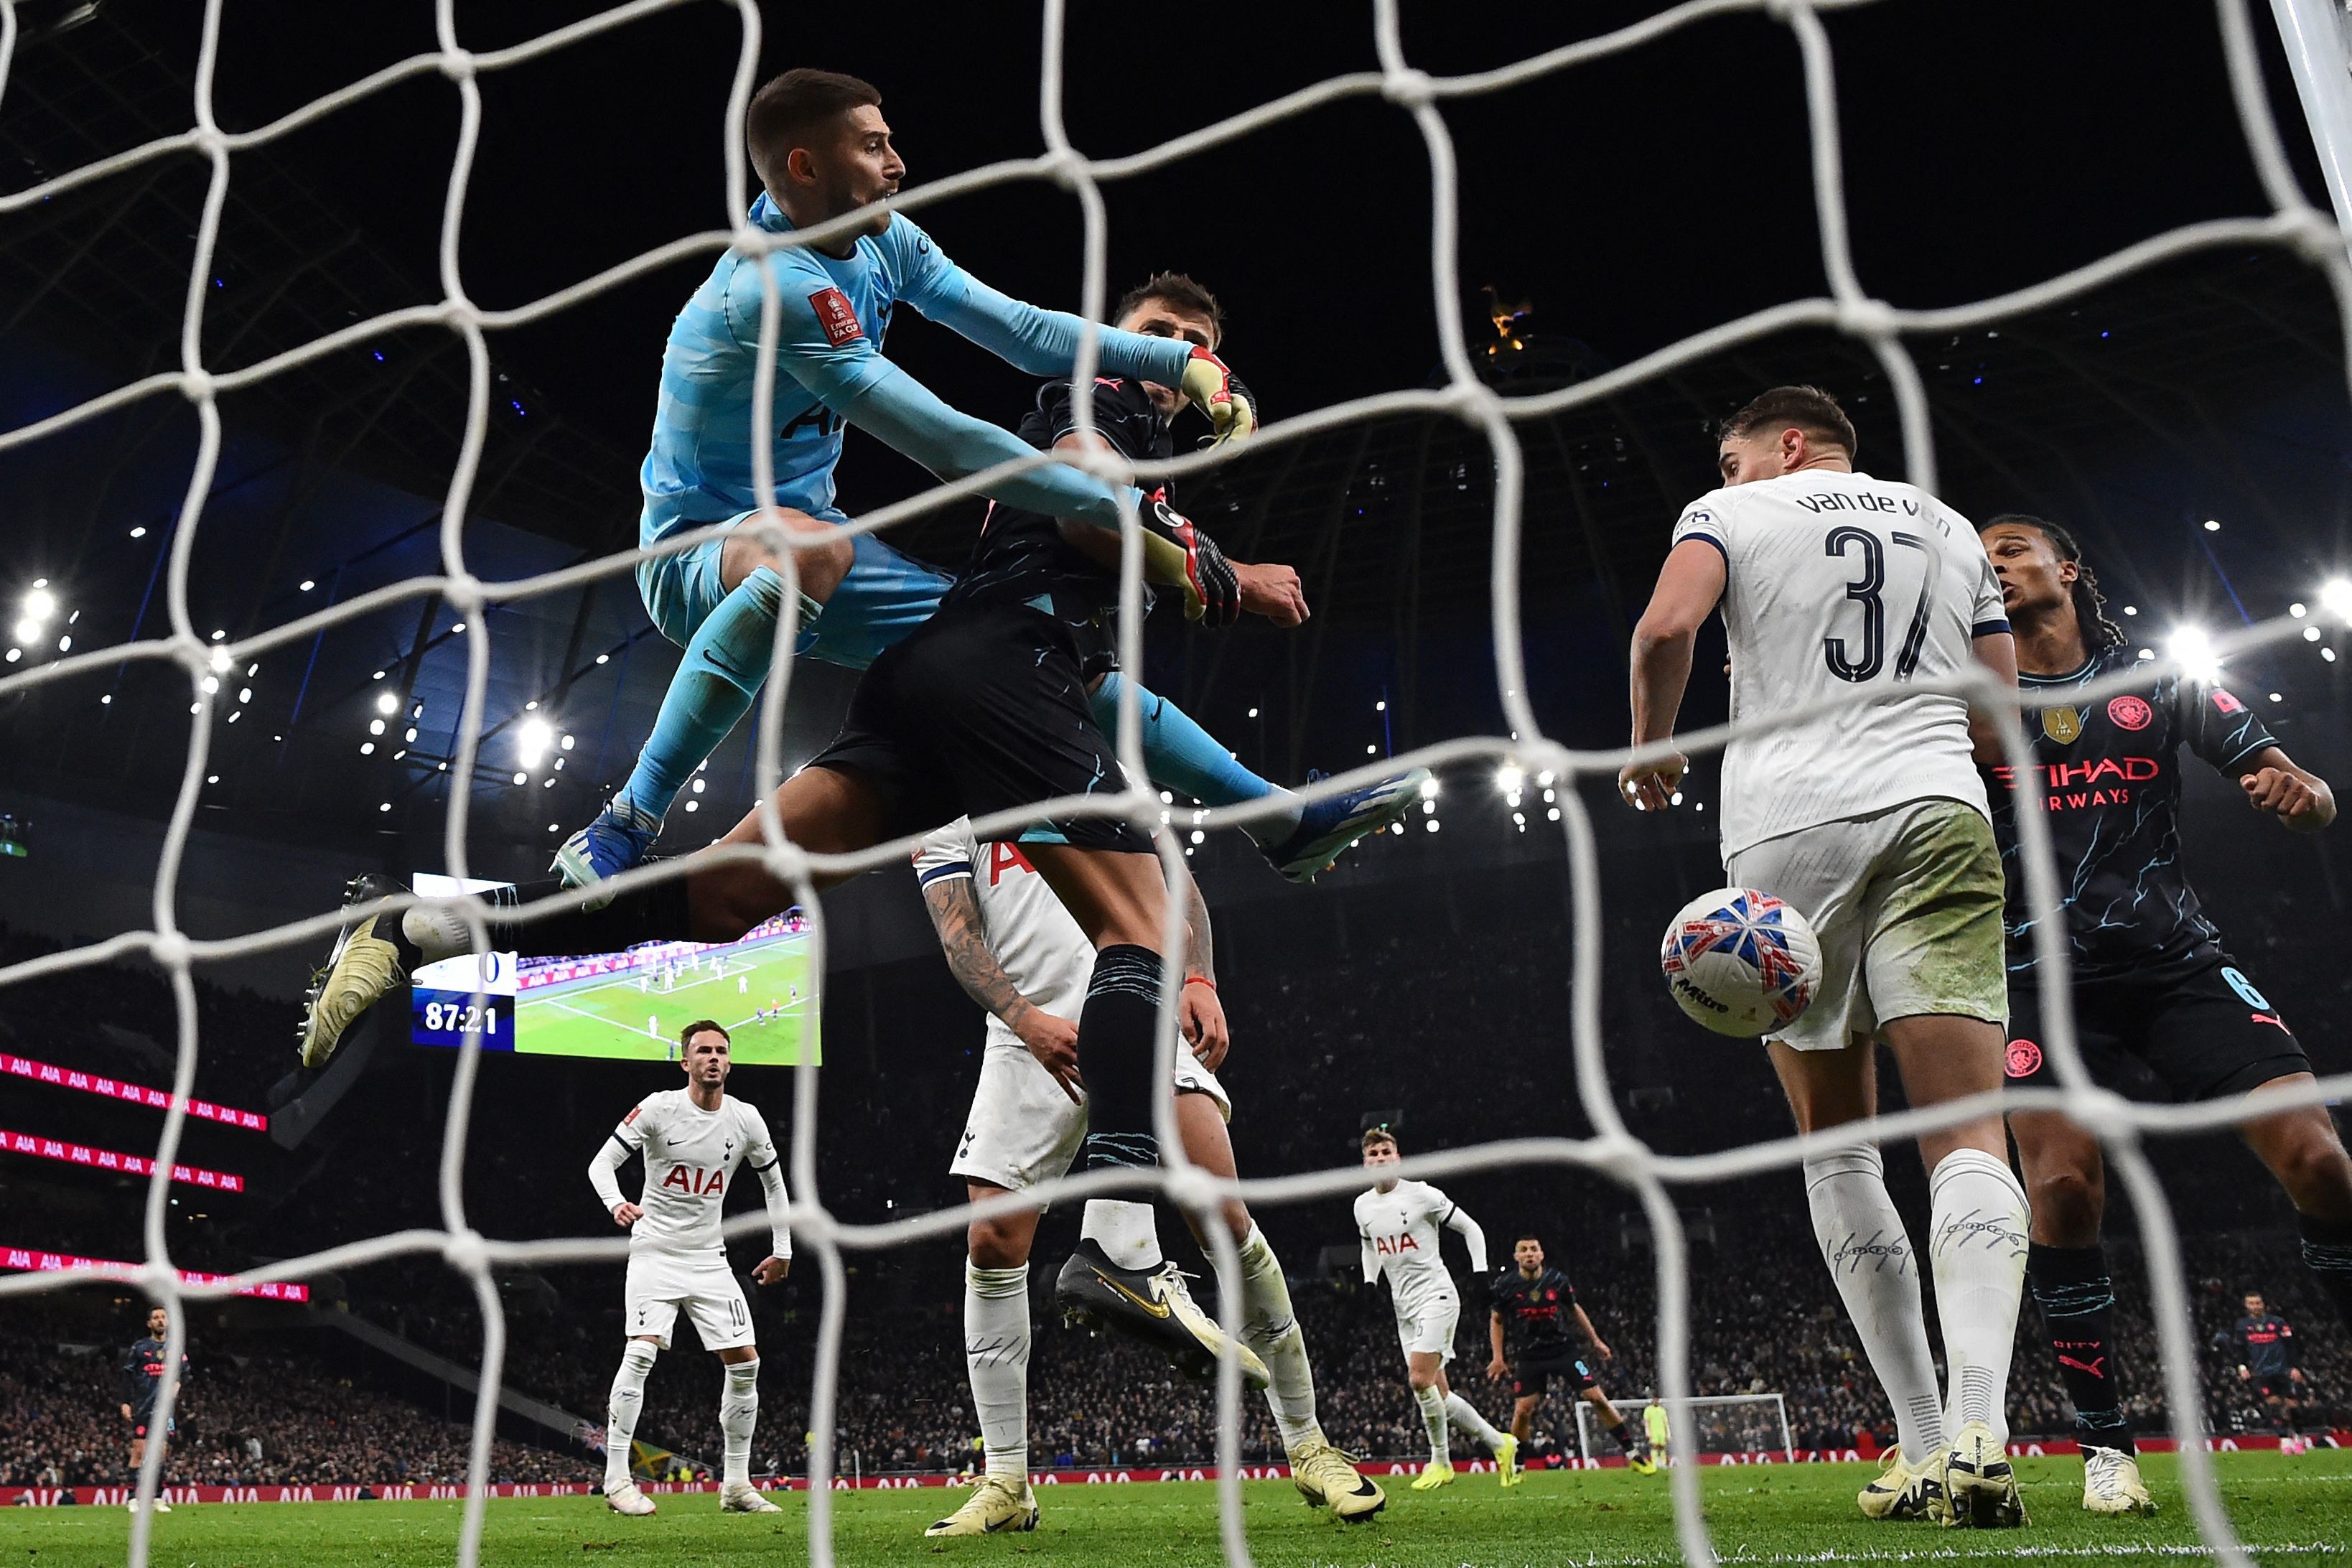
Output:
x=627 y=1007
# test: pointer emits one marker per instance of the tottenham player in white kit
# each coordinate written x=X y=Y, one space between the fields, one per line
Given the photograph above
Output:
x=1396 y=1223
x=1872 y=820
x=1018 y=954
x=692 y=1139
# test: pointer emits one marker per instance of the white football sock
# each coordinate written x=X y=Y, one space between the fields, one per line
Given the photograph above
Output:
x=1127 y=1232
x=739 y=1412
x=1877 y=1277
x=1433 y=1416
x=438 y=930
x=1465 y=1415
x=996 y=1359
x=1270 y=1327
x=1977 y=1223
x=628 y=1397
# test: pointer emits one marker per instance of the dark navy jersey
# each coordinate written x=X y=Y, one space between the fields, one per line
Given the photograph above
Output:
x=1536 y=1313
x=2265 y=1345
x=1022 y=558
x=142 y=1371
x=2109 y=776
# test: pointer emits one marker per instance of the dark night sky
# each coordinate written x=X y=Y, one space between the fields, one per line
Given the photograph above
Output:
x=1636 y=200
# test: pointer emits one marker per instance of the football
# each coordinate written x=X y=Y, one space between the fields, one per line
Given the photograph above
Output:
x=1741 y=961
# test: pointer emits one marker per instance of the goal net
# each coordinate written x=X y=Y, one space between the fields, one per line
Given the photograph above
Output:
x=1747 y=1426
x=454 y=1236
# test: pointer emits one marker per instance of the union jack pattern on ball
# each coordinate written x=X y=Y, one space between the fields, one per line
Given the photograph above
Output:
x=1752 y=927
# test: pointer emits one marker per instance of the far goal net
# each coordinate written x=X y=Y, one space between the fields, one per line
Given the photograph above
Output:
x=1750 y=1424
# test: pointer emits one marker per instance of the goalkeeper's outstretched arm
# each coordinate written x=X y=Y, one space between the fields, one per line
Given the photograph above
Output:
x=1177 y=554
x=1045 y=342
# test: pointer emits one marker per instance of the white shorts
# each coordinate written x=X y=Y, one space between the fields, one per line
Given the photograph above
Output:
x=1023 y=1130
x=1907 y=904
x=1427 y=1327
x=659 y=1284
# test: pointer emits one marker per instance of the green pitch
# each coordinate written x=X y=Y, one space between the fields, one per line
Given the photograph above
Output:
x=2290 y=1511
x=607 y=1015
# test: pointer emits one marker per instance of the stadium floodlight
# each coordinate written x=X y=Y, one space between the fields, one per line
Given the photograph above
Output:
x=1509 y=777
x=15 y=654
x=2212 y=526
x=2298 y=609
x=2311 y=633
x=697 y=786
x=603 y=659
x=532 y=742
x=307 y=585
x=386 y=703
x=567 y=743
x=694 y=805
x=2191 y=648
x=1429 y=788
x=29 y=630
x=375 y=726
x=2336 y=598
x=138 y=533
x=65 y=644
x=41 y=604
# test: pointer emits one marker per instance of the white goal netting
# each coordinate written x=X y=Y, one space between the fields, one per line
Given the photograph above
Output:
x=1849 y=307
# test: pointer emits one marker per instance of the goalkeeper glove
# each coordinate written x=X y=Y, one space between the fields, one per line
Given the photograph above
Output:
x=1216 y=393
x=1177 y=552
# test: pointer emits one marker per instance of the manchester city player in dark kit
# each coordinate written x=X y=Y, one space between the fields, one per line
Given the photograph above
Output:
x=144 y=1365
x=2268 y=1368
x=2151 y=978
x=1533 y=1304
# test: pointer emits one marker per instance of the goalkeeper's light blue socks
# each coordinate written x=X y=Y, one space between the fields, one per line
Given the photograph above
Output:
x=1179 y=754
x=725 y=662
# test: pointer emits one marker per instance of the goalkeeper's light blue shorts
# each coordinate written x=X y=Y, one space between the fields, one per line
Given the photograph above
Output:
x=885 y=596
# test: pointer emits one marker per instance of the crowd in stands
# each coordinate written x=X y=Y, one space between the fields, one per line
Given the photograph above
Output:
x=1459 y=1016
x=247 y=1415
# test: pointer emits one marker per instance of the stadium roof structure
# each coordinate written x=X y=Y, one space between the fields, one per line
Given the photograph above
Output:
x=2211 y=387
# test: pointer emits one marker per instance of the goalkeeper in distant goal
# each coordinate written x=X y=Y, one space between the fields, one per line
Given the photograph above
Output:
x=1870 y=819
x=692 y=1139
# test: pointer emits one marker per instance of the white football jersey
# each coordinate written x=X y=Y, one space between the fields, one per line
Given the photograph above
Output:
x=1839 y=584
x=1036 y=944
x=690 y=1157
x=1399 y=1230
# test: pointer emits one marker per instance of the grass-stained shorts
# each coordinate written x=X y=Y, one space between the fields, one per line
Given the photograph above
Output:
x=1907 y=902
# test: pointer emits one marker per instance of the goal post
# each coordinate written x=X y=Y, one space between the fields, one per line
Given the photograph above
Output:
x=1723 y=1424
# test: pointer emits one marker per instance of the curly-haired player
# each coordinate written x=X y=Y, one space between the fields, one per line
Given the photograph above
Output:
x=2151 y=979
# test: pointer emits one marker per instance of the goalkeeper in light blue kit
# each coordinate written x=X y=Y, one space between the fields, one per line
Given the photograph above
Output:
x=823 y=150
